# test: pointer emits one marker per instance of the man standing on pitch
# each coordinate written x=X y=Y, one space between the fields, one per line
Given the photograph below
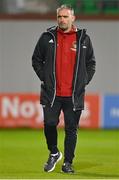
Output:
x=64 y=61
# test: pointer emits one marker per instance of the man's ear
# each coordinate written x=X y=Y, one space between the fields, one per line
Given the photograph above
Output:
x=73 y=18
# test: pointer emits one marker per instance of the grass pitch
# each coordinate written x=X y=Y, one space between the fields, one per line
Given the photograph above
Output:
x=23 y=153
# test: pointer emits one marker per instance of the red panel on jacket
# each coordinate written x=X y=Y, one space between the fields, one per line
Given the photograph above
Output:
x=65 y=61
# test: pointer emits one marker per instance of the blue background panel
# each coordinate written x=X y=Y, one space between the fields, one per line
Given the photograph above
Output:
x=111 y=111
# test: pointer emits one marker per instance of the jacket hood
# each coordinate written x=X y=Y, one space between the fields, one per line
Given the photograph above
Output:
x=54 y=28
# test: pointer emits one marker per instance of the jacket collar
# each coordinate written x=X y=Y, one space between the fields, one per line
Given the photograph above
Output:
x=73 y=30
x=53 y=30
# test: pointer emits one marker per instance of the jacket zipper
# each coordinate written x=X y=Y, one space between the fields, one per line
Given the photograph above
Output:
x=74 y=108
x=54 y=70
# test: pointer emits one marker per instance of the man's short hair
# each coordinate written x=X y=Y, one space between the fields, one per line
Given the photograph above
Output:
x=65 y=6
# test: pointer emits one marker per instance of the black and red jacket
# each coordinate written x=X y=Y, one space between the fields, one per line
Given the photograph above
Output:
x=44 y=64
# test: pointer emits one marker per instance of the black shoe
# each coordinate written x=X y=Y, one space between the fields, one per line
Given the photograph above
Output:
x=67 y=168
x=52 y=160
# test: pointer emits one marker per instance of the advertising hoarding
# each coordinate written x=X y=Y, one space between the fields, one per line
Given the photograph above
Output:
x=25 y=110
x=111 y=111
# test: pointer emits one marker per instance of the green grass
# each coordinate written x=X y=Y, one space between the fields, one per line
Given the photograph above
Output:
x=24 y=152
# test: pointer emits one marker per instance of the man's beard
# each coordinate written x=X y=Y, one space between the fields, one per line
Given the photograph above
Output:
x=63 y=27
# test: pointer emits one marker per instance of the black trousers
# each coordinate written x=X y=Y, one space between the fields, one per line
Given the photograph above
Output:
x=71 y=121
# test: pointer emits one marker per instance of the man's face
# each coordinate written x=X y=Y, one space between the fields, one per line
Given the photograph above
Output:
x=65 y=19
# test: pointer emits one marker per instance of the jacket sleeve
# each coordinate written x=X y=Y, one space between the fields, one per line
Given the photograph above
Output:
x=90 y=60
x=38 y=58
